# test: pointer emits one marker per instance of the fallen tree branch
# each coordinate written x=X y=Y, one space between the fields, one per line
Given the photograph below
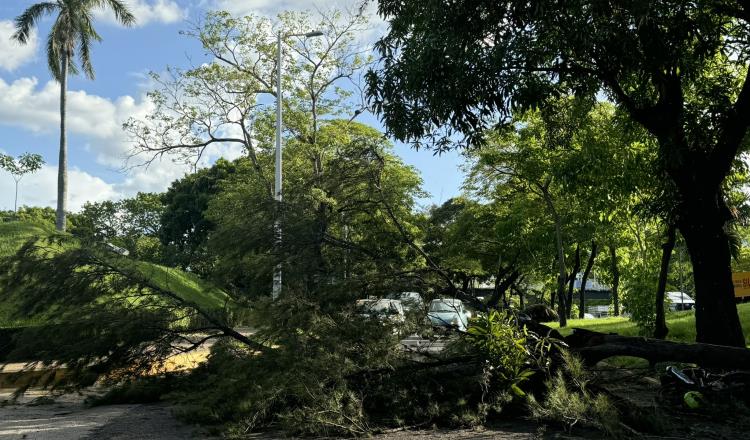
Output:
x=593 y=347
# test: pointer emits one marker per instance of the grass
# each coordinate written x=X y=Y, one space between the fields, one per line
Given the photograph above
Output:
x=14 y=234
x=187 y=286
x=681 y=325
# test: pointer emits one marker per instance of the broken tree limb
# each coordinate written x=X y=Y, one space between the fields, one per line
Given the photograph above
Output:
x=593 y=347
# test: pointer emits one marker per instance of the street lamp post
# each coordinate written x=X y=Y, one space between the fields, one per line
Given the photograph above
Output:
x=277 y=192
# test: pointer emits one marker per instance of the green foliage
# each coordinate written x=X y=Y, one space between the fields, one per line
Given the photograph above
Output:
x=640 y=299
x=345 y=224
x=497 y=339
x=132 y=224
x=306 y=384
x=24 y=164
x=184 y=226
x=568 y=400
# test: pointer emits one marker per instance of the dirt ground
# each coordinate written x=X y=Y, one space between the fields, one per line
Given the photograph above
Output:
x=38 y=416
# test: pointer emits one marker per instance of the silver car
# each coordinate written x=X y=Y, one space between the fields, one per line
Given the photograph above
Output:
x=383 y=309
x=449 y=312
x=409 y=300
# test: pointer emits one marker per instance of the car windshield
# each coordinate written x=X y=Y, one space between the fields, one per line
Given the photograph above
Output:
x=443 y=306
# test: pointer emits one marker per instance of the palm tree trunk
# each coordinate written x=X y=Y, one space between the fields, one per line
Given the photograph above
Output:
x=62 y=170
x=15 y=203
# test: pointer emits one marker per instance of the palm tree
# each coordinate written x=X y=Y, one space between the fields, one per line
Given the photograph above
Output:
x=72 y=32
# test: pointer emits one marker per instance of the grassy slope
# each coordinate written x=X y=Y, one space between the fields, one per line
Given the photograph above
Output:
x=187 y=286
x=15 y=234
x=681 y=325
x=184 y=285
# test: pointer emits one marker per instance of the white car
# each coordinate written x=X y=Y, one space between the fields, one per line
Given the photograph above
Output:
x=680 y=301
x=449 y=312
x=383 y=309
x=409 y=300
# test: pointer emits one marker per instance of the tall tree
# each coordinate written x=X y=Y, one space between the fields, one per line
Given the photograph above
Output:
x=25 y=164
x=680 y=69
x=73 y=30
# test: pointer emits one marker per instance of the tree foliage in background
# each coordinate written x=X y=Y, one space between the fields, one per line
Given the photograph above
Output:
x=680 y=70
x=26 y=163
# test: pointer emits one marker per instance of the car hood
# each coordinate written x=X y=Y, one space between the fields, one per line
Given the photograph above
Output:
x=445 y=317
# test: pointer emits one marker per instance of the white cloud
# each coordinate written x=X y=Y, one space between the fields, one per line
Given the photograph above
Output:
x=25 y=104
x=155 y=11
x=40 y=189
x=273 y=7
x=12 y=53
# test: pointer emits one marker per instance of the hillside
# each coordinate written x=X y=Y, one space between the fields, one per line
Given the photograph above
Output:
x=186 y=286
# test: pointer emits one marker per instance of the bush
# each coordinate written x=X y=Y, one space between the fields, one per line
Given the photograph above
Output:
x=569 y=402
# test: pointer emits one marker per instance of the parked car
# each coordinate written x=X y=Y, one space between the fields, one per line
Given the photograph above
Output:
x=409 y=300
x=383 y=309
x=680 y=301
x=448 y=312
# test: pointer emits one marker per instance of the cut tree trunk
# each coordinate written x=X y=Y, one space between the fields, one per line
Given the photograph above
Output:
x=62 y=166
x=660 y=328
x=615 y=279
x=593 y=347
x=584 y=279
x=702 y=224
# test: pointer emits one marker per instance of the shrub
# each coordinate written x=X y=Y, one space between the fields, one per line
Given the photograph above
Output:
x=568 y=400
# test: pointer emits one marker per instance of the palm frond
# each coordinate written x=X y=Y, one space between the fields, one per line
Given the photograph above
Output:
x=26 y=21
x=84 y=54
x=121 y=10
x=54 y=57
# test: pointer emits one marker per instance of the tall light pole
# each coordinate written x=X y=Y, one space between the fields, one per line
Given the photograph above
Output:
x=277 y=193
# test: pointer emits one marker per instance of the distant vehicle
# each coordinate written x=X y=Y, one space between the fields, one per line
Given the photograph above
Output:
x=409 y=300
x=680 y=301
x=117 y=249
x=448 y=312
x=382 y=309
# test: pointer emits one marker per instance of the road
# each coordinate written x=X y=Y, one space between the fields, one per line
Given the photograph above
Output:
x=36 y=417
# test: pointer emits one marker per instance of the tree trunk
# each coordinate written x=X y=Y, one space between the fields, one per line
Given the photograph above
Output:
x=615 y=279
x=520 y=298
x=562 y=307
x=15 y=202
x=572 y=278
x=593 y=347
x=660 y=328
x=584 y=279
x=702 y=221
x=62 y=167
x=506 y=284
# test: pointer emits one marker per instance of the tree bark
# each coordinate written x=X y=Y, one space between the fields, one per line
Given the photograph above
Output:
x=584 y=279
x=660 y=327
x=593 y=347
x=572 y=278
x=615 y=279
x=62 y=167
x=702 y=223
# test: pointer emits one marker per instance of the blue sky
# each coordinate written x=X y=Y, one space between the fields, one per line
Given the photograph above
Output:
x=29 y=103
